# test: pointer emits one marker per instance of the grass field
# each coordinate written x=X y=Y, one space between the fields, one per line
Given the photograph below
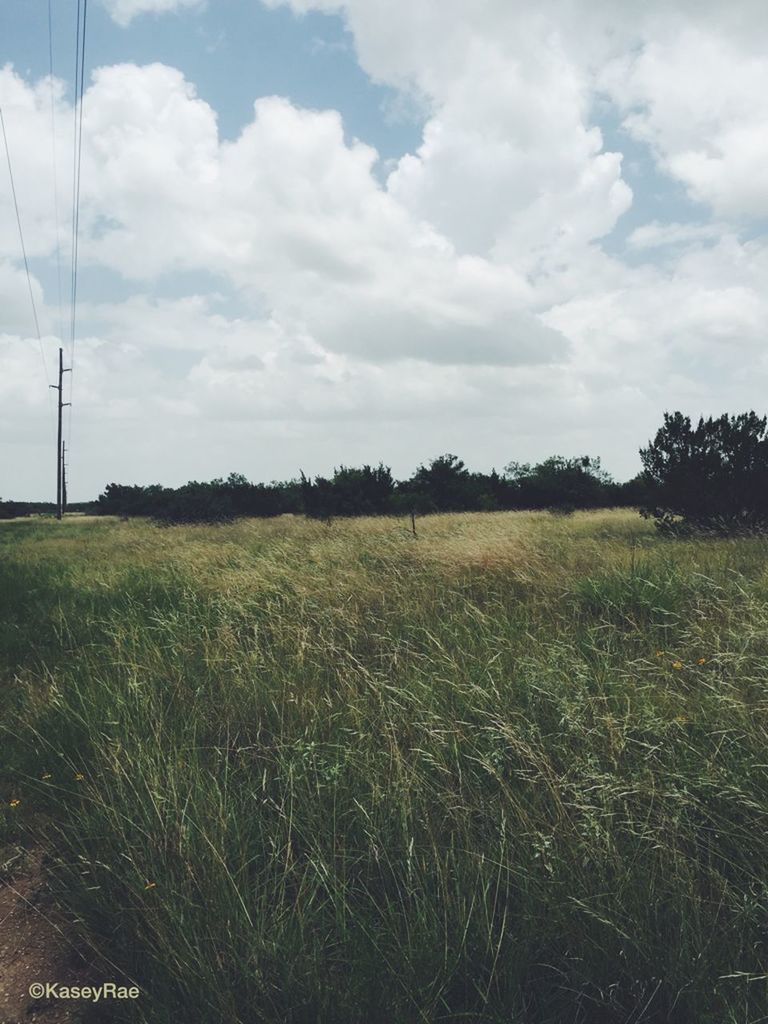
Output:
x=514 y=769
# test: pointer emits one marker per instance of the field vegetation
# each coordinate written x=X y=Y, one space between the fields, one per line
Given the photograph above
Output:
x=512 y=769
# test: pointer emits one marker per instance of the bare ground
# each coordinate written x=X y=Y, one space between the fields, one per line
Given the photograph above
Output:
x=35 y=947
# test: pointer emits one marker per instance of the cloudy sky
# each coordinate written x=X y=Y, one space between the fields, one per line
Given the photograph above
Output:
x=317 y=232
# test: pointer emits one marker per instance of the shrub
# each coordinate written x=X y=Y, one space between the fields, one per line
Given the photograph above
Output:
x=195 y=503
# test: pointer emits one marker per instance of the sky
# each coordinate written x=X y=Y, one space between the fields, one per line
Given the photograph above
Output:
x=316 y=233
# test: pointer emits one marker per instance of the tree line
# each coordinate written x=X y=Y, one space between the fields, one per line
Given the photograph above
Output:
x=444 y=484
x=17 y=509
x=709 y=477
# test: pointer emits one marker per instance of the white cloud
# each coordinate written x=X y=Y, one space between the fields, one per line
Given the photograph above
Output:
x=509 y=89
x=124 y=11
x=464 y=301
x=23 y=384
x=509 y=164
x=295 y=218
x=18 y=316
x=292 y=216
x=27 y=117
x=656 y=235
x=700 y=100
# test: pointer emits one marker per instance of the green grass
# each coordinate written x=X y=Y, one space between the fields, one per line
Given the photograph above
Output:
x=512 y=770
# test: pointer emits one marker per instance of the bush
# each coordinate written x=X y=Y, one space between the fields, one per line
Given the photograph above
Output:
x=195 y=503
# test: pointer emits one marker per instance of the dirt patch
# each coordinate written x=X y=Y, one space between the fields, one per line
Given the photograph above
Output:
x=35 y=947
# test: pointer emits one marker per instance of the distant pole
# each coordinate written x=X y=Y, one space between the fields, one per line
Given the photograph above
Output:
x=59 y=443
x=413 y=522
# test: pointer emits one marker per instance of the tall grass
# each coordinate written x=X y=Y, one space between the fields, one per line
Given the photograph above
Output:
x=512 y=770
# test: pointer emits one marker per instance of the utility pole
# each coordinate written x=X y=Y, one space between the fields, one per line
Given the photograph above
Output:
x=59 y=443
x=63 y=477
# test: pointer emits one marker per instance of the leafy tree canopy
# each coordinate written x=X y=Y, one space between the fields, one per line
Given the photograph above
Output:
x=710 y=477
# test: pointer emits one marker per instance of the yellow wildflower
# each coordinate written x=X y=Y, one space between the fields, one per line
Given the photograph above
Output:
x=15 y=803
x=45 y=775
x=701 y=661
x=151 y=885
x=79 y=776
x=659 y=654
x=677 y=664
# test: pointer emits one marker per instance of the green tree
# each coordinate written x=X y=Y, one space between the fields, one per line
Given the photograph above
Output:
x=445 y=485
x=712 y=477
x=561 y=483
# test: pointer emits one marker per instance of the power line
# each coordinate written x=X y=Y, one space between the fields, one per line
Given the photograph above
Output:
x=77 y=154
x=82 y=5
x=55 y=170
x=23 y=247
x=72 y=271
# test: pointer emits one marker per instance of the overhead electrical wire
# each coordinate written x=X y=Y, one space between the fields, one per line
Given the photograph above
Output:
x=23 y=246
x=82 y=20
x=54 y=161
x=80 y=38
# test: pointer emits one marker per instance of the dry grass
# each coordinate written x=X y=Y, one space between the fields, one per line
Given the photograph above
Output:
x=512 y=769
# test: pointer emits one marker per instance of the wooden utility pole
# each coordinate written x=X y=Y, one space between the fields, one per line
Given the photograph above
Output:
x=63 y=477
x=59 y=443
